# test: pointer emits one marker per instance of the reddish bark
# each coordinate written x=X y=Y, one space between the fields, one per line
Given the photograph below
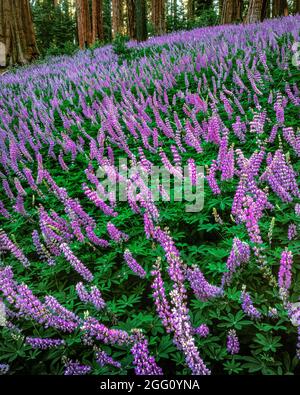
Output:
x=117 y=12
x=84 y=23
x=158 y=16
x=131 y=19
x=231 y=11
x=17 y=37
x=97 y=20
x=280 y=8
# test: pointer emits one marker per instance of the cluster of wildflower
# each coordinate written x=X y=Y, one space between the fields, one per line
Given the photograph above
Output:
x=43 y=344
x=42 y=251
x=226 y=162
x=202 y=289
x=281 y=177
x=192 y=171
x=144 y=363
x=172 y=255
x=49 y=314
x=7 y=244
x=202 y=330
x=94 y=296
x=183 y=335
x=159 y=295
x=176 y=318
x=133 y=264
x=240 y=253
x=95 y=239
x=76 y=263
x=104 y=359
x=285 y=270
x=3 y=210
x=251 y=218
x=76 y=369
x=248 y=307
x=115 y=234
x=211 y=178
x=59 y=317
x=29 y=305
x=292 y=139
x=100 y=332
x=292 y=231
x=233 y=344
x=7 y=284
x=93 y=196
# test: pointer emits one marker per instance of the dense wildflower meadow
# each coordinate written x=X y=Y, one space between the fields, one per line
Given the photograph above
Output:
x=153 y=284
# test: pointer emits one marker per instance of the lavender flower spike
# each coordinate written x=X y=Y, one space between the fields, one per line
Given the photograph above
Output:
x=133 y=265
x=143 y=362
x=248 y=307
x=233 y=344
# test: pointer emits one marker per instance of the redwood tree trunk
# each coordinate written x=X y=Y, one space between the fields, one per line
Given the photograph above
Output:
x=84 y=23
x=266 y=10
x=158 y=16
x=117 y=16
x=254 y=11
x=17 y=37
x=231 y=11
x=131 y=19
x=97 y=20
x=280 y=8
x=141 y=20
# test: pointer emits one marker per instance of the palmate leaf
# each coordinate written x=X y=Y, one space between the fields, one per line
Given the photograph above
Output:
x=233 y=367
x=165 y=347
x=268 y=342
x=289 y=364
x=215 y=352
x=216 y=267
x=125 y=301
x=178 y=358
x=255 y=365
x=219 y=253
x=234 y=321
x=277 y=326
x=234 y=294
x=208 y=227
x=12 y=351
x=203 y=218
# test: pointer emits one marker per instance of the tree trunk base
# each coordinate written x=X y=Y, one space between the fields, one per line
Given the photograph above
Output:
x=17 y=38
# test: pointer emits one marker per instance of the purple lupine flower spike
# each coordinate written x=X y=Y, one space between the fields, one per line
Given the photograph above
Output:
x=248 y=307
x=233 y=344
x=143 y=362
x=133 y=264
